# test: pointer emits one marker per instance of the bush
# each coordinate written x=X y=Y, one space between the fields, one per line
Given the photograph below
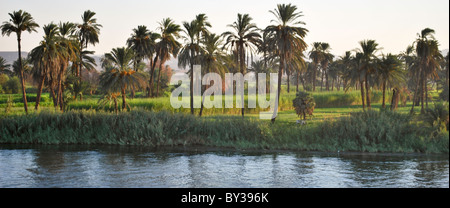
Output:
x=304 y=104
x=437 y=117
x=12 y=86
x=381 y=131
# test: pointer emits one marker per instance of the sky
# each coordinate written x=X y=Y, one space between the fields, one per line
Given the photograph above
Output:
x=394 y=24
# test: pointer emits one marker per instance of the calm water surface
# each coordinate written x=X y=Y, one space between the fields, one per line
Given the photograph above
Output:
x=105 y=166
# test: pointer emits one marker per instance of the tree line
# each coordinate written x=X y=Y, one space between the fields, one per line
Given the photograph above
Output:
x=60 y=58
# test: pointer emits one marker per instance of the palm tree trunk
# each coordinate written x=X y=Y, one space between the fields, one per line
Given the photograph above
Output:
x=52 y=93
x=280 y=74
x=152 y=71
x=59 y=81
x=321 y=83
x=124 y=101
x=332 y=85
x=416 y=91
x=384 y=94
x=38 y=96
x=22 y=79
x=116 y=109
x=367 y=91
x=288 y=79
x=426 y=92
x=159 y=77
x=362 y=94
x=61 y=104
x=203 y=100
x=314 y=78
x=298 y=77
x=327 y=86
x=192 y=88
x=242 y=68
x=422 y=93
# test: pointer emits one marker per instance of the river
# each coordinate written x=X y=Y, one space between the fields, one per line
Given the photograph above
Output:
x=121 y=166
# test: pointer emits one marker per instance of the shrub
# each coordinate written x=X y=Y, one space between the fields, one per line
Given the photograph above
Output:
x=12 y=86
x=437 y=117
x=304 y=104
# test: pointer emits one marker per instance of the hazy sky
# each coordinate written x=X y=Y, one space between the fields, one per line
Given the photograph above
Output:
x=394 y=24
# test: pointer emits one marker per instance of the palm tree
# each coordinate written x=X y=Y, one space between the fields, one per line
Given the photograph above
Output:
x=287 y=38
x=390 y=71
x=120 y=76
x=316 y=56
x=327 y=58
x=429 y=57
x=258 y=67
x=142 y=42
x=20 y=21
x=212 y=58
x=202 y=24
x=355 y=74
x=244 y=34
x=188 y=54
x=88 y=33
x=68 y=40
x=368 y=50
x=46 y=59
x=3 y=65
x=168 y=45
x=447 y=67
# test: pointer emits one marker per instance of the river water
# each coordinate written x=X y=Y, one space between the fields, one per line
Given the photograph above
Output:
x=113 y=166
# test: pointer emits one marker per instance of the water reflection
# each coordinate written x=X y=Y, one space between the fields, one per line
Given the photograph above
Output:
x=113 y=166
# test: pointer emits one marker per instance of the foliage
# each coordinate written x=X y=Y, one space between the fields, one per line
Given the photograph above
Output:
x=368 y=131
x=304 y=104
x=437 y=117
x=9 y=104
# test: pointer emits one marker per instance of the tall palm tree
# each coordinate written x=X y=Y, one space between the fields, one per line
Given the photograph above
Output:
x=68 y=40
x=355 y=74
x=346 y=64
x=168 y=45
x=212 y=58
x=327 y=58
x=142 y=42
x=316 y=56
x=429 y=57
x=188 y=54
x=287 y=38
x=244 y=35
x=368 y=50
x=120 y=76
x=390 y=71
x=202 y=24
x=20 y=21
x=46 y=59
x=88 y=33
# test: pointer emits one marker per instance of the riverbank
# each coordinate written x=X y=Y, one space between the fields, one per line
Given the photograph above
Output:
x=371 y=131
